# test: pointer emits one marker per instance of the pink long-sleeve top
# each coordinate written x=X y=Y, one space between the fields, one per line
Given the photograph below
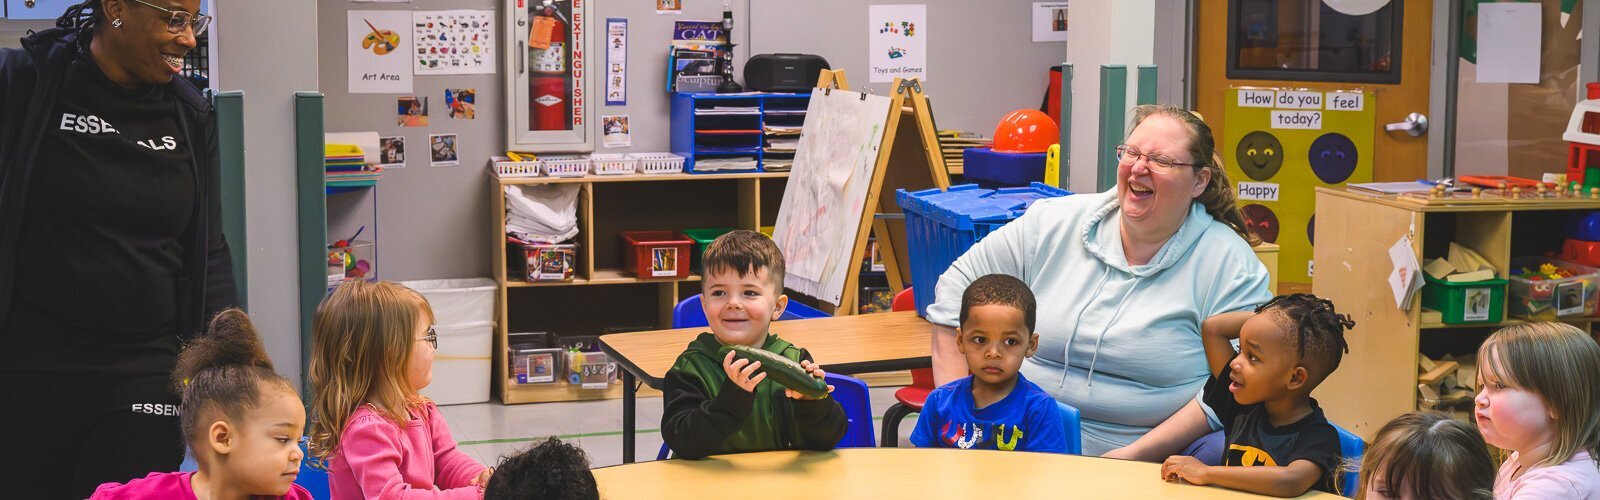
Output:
x=377 y=459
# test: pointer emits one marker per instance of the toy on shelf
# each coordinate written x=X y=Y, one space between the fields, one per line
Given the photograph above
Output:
x=1583 y=141
x=1546 y=289
x=350 y=259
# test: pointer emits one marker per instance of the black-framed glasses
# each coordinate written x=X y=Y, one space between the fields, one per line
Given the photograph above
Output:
x=432 y=338
x=181 y=19
x=1155 y=161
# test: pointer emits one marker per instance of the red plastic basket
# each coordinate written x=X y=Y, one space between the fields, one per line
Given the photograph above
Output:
x=655 y=254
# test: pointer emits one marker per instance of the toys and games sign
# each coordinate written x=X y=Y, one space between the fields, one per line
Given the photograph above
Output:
x=898 y=45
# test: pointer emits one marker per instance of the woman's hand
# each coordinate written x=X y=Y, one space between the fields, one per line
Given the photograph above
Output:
x=743 y=372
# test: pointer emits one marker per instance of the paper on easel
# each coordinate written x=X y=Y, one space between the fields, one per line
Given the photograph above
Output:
x=1406 y=277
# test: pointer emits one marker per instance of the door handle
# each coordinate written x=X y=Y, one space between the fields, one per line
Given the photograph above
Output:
x=1415 y=125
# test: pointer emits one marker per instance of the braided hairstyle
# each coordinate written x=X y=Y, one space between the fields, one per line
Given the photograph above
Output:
x=1317 y=328
x=83 y=15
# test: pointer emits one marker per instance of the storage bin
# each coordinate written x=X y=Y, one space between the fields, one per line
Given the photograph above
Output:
x=504 y=167
x=612 y=164
x=657 y=163
x=352 y=262
x=942 y=225
x=702 y=238
x=1550 y=299
x=590 y=370
x=655 y=254
x=565 y=165
x=534 y=365
x=547 y=261
x=463 y=317
x=1467 y=302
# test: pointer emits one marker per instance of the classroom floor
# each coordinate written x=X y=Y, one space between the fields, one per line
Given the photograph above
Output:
x=486 y=431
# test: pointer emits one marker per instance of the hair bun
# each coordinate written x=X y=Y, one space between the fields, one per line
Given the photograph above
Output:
x=231 y=339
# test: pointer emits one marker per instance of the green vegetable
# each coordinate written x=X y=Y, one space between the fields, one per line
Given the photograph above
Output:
x=782 y=370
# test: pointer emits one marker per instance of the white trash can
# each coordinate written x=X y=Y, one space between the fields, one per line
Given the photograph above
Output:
x=463 y=317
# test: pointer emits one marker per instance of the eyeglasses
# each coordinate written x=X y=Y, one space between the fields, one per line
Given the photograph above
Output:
x=181 y=19
x=1128 y=155
x=432 y=338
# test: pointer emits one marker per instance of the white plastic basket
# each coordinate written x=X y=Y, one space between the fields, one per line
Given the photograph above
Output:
x=612 y=164
x=658 y=163
x=504 y=167
x=565 y=165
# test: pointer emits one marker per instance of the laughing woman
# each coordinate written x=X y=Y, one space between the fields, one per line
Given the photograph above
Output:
x=1123 y=280
x=111 y=248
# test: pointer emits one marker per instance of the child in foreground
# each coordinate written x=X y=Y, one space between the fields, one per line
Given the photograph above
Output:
x=1426 y=454
x=242 y=421
x=1539 y=398
x=553 y=470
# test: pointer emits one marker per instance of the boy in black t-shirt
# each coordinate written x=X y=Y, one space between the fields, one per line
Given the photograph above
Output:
x=1279 y=443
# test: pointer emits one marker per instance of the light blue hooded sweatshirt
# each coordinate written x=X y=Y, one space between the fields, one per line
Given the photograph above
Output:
x=1119 y=342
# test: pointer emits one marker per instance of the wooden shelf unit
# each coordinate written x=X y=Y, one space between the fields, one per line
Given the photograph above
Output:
x=1377 y=379
x=607 y=205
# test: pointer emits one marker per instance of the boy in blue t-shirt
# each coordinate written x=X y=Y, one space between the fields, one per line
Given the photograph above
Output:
x=995 y=408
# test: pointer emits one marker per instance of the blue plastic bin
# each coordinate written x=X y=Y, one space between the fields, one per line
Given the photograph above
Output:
x=942 y=225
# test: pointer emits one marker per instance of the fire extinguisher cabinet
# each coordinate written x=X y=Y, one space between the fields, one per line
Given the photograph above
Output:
x=548 y=76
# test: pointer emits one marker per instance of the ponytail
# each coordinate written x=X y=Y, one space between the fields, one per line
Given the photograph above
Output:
x=83 y=15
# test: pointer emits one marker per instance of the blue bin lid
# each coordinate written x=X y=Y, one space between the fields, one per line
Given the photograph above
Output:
x=962 y=206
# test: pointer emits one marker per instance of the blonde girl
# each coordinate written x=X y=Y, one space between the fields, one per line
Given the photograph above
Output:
x=1539 y=398
x=372 y=351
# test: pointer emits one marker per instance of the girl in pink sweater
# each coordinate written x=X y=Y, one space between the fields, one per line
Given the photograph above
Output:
x=242 y=420
x=1540 y=390
x=372 y=351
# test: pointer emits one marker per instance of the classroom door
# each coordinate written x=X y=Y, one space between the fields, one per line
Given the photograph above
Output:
x=1377 y=49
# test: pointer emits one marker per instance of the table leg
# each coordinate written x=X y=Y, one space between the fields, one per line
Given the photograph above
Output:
x=629 y=390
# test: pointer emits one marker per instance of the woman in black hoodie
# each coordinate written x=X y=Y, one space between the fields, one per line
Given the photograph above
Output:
x=111 y=248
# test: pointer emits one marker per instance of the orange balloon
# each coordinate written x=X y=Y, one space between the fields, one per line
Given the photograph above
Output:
x=1026 y=131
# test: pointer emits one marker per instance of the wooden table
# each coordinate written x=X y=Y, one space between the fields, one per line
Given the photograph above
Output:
x=912 y=473
x=863 y=343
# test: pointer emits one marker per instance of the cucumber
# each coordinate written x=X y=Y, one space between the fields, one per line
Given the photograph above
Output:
x=782 y=370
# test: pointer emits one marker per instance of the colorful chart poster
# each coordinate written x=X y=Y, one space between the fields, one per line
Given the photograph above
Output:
x=378 y=43
x=1280 y=144
x=898 y=42
x=616 y=61
x=454 y=42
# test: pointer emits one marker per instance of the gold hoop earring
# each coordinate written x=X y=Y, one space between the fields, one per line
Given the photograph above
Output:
x=116 y=23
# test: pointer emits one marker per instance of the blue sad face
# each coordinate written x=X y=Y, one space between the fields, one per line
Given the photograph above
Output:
x=1260 y=155
x=1332 y=157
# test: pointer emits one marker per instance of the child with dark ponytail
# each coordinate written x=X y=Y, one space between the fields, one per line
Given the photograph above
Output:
x=242 y=421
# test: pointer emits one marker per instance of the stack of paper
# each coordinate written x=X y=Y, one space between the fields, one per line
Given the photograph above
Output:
x=736 y=163
x=953 y=144
x=727 y=110
x=345 y=164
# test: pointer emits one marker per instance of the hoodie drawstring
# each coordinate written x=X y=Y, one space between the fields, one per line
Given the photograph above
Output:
x=1121 y=302
x=1066 y=353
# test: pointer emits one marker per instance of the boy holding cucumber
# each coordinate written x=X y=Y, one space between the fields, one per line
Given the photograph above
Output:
x=995 y=408
x=720 y=401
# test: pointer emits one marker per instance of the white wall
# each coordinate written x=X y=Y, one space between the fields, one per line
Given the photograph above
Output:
x=1102 y=32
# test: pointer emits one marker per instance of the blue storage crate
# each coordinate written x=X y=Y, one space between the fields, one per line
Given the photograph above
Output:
x=942 y=225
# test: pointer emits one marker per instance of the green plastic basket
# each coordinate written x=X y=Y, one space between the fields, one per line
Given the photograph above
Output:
x=1467 y=302
x=702 y=238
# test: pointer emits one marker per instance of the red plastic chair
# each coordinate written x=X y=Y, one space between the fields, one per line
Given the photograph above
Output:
x=909 y=399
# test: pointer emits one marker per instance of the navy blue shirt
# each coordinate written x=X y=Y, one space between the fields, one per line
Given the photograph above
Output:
x=1253 y=441
x=1025 y=420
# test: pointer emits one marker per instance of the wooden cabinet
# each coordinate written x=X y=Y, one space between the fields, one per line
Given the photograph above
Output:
x=1354 y=231
x=602 y=294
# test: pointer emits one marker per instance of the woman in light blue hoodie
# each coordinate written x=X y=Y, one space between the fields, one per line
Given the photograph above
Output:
x=1124 y=279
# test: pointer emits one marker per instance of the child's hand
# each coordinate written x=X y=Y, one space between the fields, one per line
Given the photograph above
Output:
x=739 y=371
x=1184 y=467
x=483 y=478
x=816 y=371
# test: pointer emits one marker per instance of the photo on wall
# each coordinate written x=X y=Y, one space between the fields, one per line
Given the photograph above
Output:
x=443 y=149
x=392 y=152
x=413 y=111
x=462 y=103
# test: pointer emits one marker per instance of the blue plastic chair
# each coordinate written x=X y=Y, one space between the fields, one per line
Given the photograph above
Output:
x=852 y=395
x=1351 y=447
x=1072 y=425
x=689 y=313
x=313 y=478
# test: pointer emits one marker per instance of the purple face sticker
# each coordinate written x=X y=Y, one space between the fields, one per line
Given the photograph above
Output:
x=1332 y=157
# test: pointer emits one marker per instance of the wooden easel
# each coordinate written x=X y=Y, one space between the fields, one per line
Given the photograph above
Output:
x=910 y=161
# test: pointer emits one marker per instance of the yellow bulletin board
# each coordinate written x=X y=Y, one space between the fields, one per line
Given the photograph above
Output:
x=1280 y=144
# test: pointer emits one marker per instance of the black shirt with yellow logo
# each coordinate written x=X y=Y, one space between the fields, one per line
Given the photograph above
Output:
x=1254 y=441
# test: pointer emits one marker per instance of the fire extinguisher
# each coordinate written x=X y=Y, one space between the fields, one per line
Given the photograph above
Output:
x=551 y=105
